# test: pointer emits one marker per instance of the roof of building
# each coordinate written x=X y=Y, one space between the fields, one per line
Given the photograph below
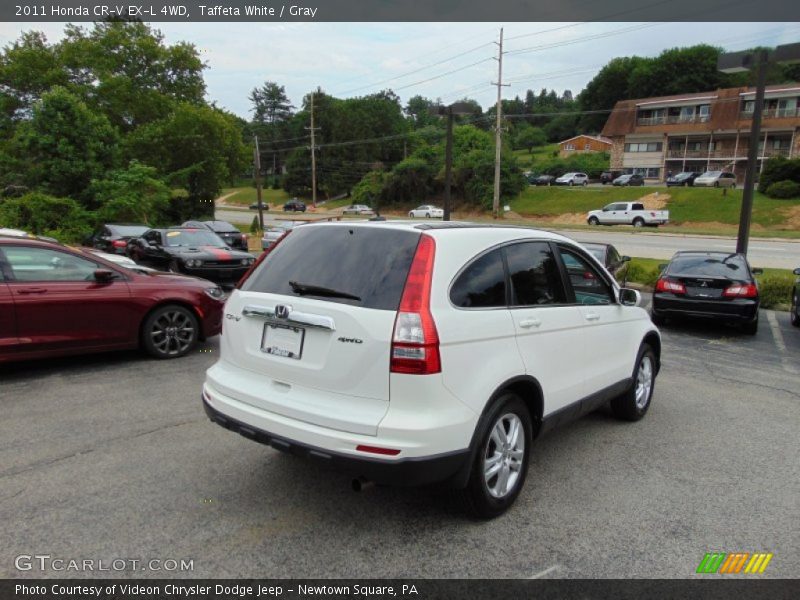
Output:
x=597 y=138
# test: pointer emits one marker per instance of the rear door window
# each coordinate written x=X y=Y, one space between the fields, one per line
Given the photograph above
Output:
x=587 y=283
x=370 y=263
x=534 y=274
x=482 y=284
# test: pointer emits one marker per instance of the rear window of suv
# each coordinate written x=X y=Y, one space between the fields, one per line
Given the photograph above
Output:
x=368 y=262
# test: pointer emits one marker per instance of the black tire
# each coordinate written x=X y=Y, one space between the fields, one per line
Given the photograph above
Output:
x=716 y=184
x=793 y=314
x=751 y=328
x=626 y=406
x=427 y=215
x=585 y=183
x=638 y=222
x=733 y=186
x=657 y=319
x=477 y=497
x=174 y=266
x=170 y=331
x=594 y=221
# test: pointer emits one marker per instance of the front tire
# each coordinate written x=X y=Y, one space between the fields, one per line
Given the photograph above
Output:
x=633 y=404
x=170 y=331
x=594 y=221
x=793 y=314
x=500 y=465
x=174 y=266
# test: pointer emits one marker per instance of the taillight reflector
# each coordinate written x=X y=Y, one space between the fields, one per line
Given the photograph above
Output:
x=415 y=341
x=119 y=243
x=378 y=450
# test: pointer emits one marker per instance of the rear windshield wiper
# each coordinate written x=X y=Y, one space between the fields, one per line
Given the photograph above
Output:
x=315 y=290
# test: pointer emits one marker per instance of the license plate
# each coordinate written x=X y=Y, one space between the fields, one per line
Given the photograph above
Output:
x=283 y=340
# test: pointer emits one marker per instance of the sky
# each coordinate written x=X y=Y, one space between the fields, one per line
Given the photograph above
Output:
x=437 y=60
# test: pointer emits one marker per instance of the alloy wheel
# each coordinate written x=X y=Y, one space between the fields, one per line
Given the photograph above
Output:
x=504 y=455
x=172 y=333
x=644 y=382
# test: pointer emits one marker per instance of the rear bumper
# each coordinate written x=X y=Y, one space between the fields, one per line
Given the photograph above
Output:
x=218 y=275
x=412 y=471
x=738 y=309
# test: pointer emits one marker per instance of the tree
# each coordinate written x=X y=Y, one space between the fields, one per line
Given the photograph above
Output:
x=132 y=194
x=529 y=137
x=418 y=109
x=64 y=145
x=271 y=105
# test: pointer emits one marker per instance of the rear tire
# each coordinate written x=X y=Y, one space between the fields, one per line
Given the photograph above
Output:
x=638 y=222
x=793 y=314
x=594 y=221
x=751 y=328
x=633 y=404
x=170 y=331
x=585 y=183
x=174 y=266
x=657 y=319
x=500 y=464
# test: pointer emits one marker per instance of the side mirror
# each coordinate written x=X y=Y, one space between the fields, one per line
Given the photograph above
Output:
x=625 y=259
x=152 y=243
x=103 y=275
x=662 y=266
x=796 y=271
x=759 y=271
x=629 y=297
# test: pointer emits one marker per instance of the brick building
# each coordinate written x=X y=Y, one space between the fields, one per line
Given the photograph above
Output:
x=702 y=132
x=583 y=143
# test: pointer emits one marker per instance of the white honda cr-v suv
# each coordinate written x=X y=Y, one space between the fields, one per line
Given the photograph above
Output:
x=415 y=354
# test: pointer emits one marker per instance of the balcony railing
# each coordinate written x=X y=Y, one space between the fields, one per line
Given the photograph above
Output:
x=672 y=119
x=773 y=113
x=741 y=152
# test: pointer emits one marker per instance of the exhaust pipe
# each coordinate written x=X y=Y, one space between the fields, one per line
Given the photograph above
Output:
x=361 y=483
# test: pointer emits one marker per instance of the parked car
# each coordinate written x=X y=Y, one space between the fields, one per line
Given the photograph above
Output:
x=56 y=300
x=294 y=206
x=627 y=213
x=197 y=252
x=610 y=258
x=708 y=285
x=274 y=230
x=114 y=237
x=628 y=179
x=439 y=358
x=609 y=176
x=684 y=179
x=429 y=211
x=794 y=315
x=358 y=209
x=230 y=234
x=573 y=179
x=264 y=206
x=716 y=179
x=542 y=180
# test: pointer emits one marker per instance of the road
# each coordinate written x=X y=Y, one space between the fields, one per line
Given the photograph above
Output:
x=111 y=457
x=779 y=254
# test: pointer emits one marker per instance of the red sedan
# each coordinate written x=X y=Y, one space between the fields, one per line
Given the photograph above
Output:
x=56 y=300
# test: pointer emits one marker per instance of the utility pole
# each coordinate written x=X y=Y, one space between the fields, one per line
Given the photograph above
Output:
x=498 y=131
x=257 y=163
x=448 y=164
x=313 y=156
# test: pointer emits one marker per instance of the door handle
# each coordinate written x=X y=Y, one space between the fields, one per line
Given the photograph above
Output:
x=36 y=290
x=592 y=317
x=527 y=323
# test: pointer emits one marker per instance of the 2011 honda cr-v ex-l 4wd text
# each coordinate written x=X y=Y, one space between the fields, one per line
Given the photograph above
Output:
x=414 y=354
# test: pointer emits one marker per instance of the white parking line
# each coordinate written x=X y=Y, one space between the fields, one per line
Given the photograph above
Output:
x=545 y=572
x=776 y=333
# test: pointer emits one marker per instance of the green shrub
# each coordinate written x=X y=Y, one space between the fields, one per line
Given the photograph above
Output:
x=775 y=290
x=61 y=218
x=255 y=225
x=784 y=190
x=778 y=169
x=643 y=274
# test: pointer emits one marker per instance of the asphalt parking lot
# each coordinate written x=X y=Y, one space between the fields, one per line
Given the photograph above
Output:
x=112 y=457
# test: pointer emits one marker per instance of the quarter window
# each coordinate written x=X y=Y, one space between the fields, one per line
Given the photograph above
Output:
x=535 y=278
x=482 y=284
x=587 y=284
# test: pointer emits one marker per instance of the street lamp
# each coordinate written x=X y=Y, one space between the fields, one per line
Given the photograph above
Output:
x=738 y=62
x=457 y=108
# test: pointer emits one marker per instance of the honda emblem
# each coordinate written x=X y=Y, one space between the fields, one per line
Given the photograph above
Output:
x=282 y=311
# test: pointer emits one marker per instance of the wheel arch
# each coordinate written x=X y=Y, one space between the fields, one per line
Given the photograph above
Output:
x=653 y=340
x=530 y=391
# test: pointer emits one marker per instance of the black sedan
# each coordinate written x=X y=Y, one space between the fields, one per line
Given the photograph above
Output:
x=608 y=255
x=794 y=316
x=230 y=234
x=708 y=285
x=682 y=179
x=114 y=237
x=294 y=206
x=197 y=252
x=629 y=179
x=542 y=180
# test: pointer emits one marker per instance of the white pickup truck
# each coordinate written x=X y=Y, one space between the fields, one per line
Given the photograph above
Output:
x=628 y=213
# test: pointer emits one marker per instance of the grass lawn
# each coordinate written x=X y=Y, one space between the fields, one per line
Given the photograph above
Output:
x=528 y=161
x=245 y=196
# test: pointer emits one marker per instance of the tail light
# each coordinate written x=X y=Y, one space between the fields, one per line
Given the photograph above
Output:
x=415 y=341
x=670 y=285
x=244 y=238
x=119 y=244
x=741 y=290
x=260 y=259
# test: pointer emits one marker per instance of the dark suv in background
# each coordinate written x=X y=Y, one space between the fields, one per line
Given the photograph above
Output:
x=609 y=176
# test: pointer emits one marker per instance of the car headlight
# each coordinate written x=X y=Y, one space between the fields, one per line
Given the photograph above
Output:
x=194 y=262
x=248 y=261
x=215 y=292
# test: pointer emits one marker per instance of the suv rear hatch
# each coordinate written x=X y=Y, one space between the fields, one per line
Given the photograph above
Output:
x=309 y=332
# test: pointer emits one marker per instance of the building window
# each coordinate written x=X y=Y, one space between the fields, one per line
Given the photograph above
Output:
x=704 y=112
x=644 y=147
x=569 y=147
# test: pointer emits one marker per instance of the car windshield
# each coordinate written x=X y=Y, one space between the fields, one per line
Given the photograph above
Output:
x=569 y=174
x=598 y=251
x=683 y=175
x=129 y=230
x=222 y=226
x=731 y=266
x=712 y=173
x=193 y=237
